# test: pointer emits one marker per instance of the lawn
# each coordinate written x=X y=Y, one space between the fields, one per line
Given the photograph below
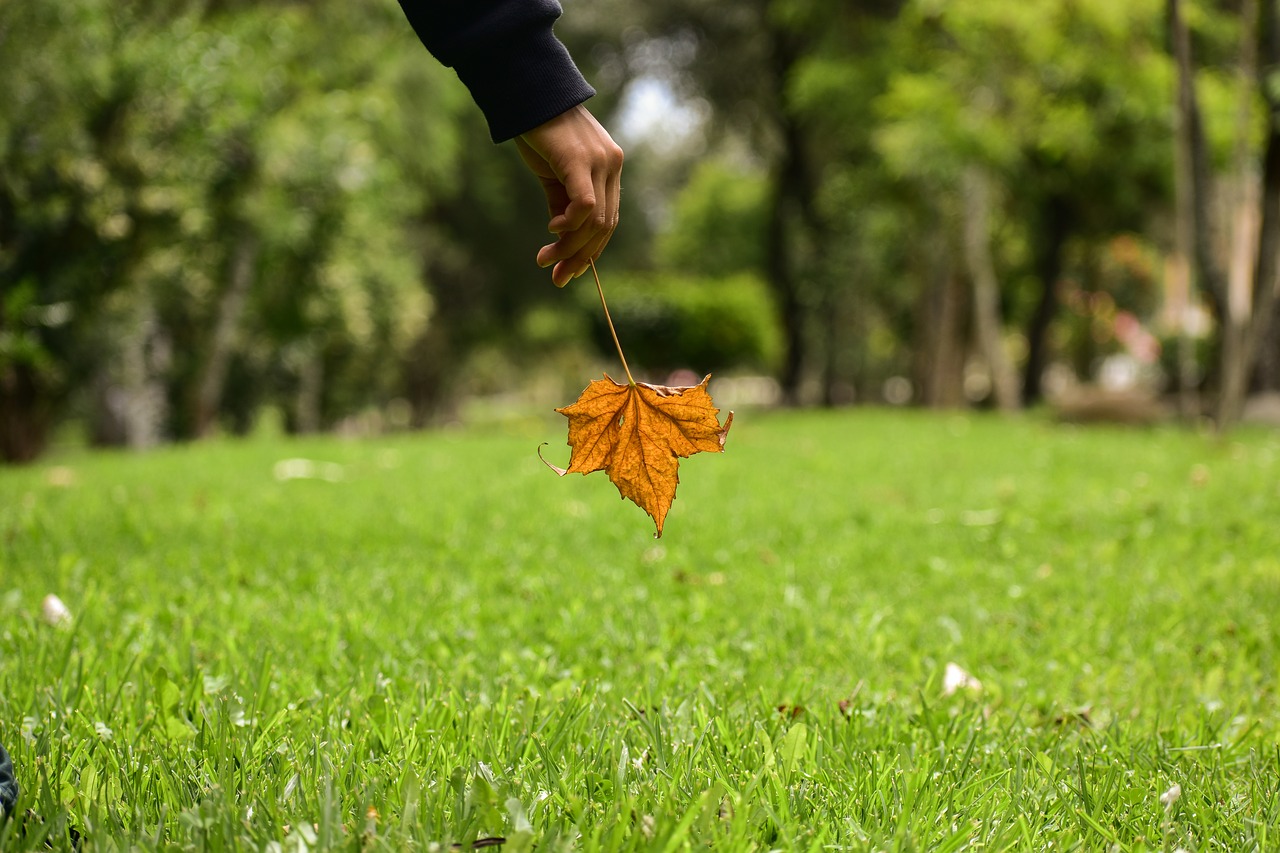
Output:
x=434 y=641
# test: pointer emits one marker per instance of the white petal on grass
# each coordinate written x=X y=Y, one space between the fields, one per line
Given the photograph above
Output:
x=519 y=820
x=54 y=611
x=1169 y=797
x=956 y=678
x=308 y=469
x=980 y=517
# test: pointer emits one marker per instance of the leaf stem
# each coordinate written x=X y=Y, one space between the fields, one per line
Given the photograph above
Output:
x=609 y=320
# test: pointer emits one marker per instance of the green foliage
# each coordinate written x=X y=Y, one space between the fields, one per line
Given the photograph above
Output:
x=667 y=321
x=717 y=222
x=1070 y=82
x=450 y=635
x=1064 y=108
x=20 y=344
x=145 y=153
x=291 y=204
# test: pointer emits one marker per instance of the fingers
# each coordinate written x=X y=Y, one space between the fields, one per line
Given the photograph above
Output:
x=574 y=249
x=586 y=225
x=573 y=228
x=580 y=169
x=581 y=192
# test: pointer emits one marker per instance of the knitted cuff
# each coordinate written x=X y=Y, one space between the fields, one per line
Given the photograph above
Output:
x=523 y=83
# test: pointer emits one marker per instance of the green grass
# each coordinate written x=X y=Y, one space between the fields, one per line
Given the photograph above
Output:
x=460 y=643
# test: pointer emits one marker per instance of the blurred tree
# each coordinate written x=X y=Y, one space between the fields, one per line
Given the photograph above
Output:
x=1242 y=284
x=190 y=188
x=671 y=321
x=73 y=217
x=718 y=222
x=209 y=206
x=355 y=145
x=868 y=118
x=742 y=59
x=1068 y=112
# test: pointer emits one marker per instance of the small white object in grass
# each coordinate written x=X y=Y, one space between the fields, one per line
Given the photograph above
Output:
x=519 y=821
x=54 y=611
x=308 y=469
x=1169 y=797
x=956 y=678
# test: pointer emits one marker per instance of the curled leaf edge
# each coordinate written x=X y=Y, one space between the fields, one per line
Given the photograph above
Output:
x=556 y=468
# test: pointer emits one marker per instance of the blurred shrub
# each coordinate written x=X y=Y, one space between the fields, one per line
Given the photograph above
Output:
x=703 y=323
x=1200 y=363
x=717 y=222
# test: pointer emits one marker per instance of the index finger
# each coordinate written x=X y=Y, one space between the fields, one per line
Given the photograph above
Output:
x=581 y=191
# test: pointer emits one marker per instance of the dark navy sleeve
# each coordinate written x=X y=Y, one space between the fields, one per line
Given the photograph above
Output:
x=8 y=784
x=518 y=72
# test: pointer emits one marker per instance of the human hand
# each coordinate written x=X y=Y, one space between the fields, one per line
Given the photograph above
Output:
x=580 y=168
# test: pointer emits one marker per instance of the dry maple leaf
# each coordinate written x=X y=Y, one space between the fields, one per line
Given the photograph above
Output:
x=638 y=433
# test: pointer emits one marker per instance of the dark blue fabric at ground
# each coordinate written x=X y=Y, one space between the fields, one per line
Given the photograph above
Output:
x=8 y=783
x=519 y=73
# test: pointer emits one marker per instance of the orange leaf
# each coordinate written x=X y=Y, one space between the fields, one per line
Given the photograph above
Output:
x=638 y=433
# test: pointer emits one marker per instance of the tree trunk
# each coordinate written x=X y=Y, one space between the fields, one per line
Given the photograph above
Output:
x=988 y=326
x=940 y=346
x=1250 y=320
x=129 y=407
x=307 y=404
x=1234 y=356
x=793 y=214
x=1195 y=179
x=1054 y=230
x=1266 y=376
x=780 y=264
x=26 y=414
x=226 y=334
x=26 y=404
x=1190 y=130
x=1191 y=207
x=1266 y=283
x=837 y=326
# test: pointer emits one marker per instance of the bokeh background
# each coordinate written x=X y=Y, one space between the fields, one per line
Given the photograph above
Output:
x=224 y=216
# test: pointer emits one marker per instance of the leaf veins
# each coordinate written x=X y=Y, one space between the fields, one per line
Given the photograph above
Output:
x=638 y=433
